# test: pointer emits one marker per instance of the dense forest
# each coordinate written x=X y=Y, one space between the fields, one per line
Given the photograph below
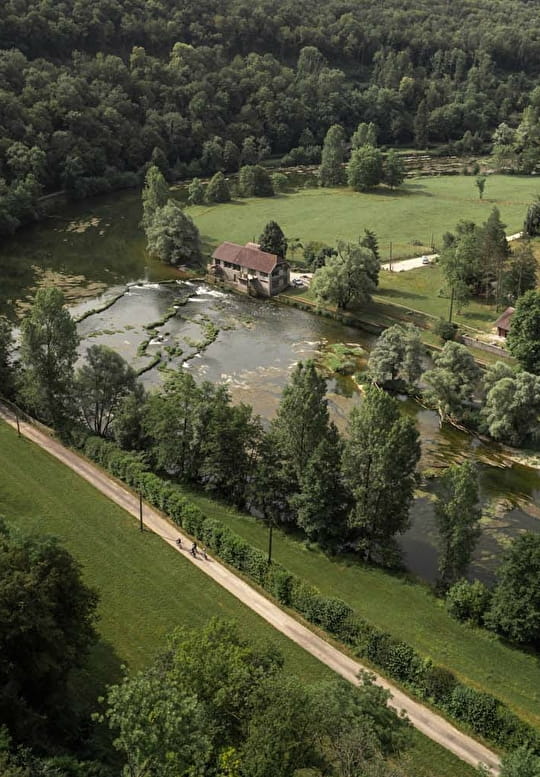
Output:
x=93 y=90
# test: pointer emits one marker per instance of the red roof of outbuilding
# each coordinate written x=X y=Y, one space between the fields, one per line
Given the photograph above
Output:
x=505 y=319
x=246 y=256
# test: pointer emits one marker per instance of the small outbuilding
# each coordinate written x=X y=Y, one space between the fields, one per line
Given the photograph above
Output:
x=504 y=322
x=250 y=269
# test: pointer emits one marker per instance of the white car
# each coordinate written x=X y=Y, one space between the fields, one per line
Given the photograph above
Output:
x=426 y=260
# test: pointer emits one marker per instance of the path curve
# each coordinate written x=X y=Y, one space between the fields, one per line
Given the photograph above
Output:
x=429 y=723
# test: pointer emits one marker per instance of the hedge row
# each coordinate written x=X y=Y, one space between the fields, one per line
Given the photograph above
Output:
x=486 y=715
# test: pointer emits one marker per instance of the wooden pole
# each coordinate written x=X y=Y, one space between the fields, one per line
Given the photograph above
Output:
x=17 y=420
x=141 y=525
x=270 y=544
x=451 y=306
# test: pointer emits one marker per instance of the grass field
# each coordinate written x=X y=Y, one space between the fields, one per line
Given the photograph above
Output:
x=407 y=610
x=424 y=208
x=420 y=289
x=146 y=588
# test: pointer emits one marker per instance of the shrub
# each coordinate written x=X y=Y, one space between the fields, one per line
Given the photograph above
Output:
x=478 y=709
x=445 y=329
x=438 y=683
x=468 y=601
x=280 y=182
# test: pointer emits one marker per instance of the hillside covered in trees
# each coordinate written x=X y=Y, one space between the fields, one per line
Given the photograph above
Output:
x=92 y=90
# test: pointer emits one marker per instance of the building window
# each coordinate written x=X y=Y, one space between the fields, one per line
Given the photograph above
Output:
x=263 y=274
x=217 y=262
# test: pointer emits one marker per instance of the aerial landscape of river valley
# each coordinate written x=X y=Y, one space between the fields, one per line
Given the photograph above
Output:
x=161 y=319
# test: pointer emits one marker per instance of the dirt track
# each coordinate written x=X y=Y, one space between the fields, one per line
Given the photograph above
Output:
x=426 y=721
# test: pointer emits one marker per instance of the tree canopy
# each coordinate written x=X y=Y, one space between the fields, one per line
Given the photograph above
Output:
x=524 y=336
x=348 y=276
x=94 y=91
x=515 y=606
x=49 y=343
x=173 y=237
x=47 y=617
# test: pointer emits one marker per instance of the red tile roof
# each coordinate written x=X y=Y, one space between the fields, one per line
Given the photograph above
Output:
x=246 y=256
x=505 y=319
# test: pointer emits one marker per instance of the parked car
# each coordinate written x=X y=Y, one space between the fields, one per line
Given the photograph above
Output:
x=426 y=260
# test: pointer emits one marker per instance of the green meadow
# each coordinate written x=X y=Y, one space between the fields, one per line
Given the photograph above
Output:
x=409 y=218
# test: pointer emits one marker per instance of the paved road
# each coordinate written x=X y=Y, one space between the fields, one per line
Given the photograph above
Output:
x=408 y=264
x=418 y=261
x=426 y=721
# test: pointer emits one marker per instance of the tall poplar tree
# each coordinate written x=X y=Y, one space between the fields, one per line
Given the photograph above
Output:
x=154 y=195
x=302 y=419
x=379 y=464
x=332 y=172
x=48 y=352
x=457 y=513
x=7 y=376
x=323 y=502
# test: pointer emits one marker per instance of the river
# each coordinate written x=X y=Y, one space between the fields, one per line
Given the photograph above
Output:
x=95 y=252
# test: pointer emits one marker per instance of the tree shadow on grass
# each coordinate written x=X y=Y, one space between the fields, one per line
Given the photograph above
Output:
x=487 y=316
x=399 y=293
x=419 y=190
x=102 y=668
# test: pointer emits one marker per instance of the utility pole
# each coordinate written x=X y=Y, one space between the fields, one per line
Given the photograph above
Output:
x=141 y=525
x=451 y=305
x=270 y=544
x=17 y=420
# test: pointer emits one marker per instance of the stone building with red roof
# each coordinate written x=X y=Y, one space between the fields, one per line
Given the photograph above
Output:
x=250 y=269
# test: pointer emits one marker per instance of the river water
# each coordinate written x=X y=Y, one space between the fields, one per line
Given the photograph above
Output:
x=95 y=252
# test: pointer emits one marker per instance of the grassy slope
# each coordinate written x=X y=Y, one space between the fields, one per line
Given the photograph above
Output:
x=407 y=610
x=422 y=208
x=146 y=588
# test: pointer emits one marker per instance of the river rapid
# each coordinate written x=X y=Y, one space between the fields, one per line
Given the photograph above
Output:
x=95 y=252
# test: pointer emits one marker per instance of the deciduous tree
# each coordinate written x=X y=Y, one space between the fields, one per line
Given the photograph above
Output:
x=521 y=275
x=524 y=336
x=348 y=277
x=155 y=195
x=173 y=237
x=379 y=462
x=394 y=170
x=397 y=354
x=195 y=192
x=100 y=385
x=49 y=343
x=273 y=240
x=332 y=172
x=218 y=189
x=365 y=168
x=302 y=419
x=457 y=513
x=515 y=607
x=7 y=370
x=512 y=408
x=47 y=617
x=451 y=383
x=323 y=503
